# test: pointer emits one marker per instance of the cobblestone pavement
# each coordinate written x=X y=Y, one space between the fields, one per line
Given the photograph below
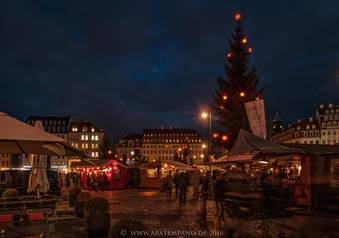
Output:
x=162 y=214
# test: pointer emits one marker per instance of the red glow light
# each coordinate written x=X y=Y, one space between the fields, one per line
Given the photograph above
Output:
x=237 y=16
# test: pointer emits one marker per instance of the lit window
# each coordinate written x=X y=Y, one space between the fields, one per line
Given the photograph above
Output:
x=82 y=137
x=75 y=129
x=96 y=138
x=86 y=137
x=93 y=146
x=92 y=129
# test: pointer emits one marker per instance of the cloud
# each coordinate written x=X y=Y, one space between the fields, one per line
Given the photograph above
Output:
x=132 y=64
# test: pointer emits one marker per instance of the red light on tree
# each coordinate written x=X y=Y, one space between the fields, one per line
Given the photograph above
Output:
x=237 y=16
x=257 y=98
x=215 y=135
x=229 y=55
x=250 y=50
x=221 y=107
x=224 y=137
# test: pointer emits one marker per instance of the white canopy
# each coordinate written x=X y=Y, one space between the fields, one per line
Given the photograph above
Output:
x=19 y=137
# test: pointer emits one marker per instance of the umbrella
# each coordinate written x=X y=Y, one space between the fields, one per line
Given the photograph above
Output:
x=17 y=137
x=38 y=180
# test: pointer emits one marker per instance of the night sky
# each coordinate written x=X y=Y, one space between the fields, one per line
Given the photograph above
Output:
x=127 y=65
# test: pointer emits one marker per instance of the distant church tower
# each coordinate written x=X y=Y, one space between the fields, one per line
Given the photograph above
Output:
x=277 y=124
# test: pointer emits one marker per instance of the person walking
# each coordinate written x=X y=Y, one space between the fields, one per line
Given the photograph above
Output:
x=219 y=195
x=169 y=183
x=204 y=195
x=176 y=181
x=182 y=188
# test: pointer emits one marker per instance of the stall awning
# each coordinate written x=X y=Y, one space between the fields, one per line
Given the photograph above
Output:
x=159 y=164
x=316 y=149
x=249 y=144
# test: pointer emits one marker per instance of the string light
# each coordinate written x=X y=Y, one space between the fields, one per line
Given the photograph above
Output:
x=229 y=55
x=257 y=98
x=221 y=107
x=237 y=16
x=250 y=50
x=224 y=97
x=215 y=135
x=224 y=137
x=242 y=94
x=244 y=40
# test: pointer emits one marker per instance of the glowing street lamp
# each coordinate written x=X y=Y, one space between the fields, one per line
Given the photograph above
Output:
x=208 y=115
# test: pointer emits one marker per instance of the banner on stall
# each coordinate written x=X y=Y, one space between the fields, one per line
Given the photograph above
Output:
x=256 y=116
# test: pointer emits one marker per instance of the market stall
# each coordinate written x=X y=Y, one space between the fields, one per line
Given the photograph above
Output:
x=101 y=174
x=254 y=162
x=154 y=173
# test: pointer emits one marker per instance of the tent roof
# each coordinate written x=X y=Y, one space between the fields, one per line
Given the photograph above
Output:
x=316 y=149
x=248 y=143
x=12 y=129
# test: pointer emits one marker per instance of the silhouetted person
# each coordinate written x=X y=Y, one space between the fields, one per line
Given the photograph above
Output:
x=182 y=188
x=219 y=191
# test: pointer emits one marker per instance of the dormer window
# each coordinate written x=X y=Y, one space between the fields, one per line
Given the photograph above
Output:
x=74 y=129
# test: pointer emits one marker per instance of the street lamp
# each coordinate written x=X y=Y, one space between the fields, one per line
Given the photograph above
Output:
x=208 y=115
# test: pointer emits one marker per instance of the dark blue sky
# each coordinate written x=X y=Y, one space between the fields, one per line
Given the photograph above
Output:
x=126 y=65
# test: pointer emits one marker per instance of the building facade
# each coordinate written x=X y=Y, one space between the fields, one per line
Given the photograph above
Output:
x=167 y=144
x=323 y=128
x=86 y=136
x=328 y=119
x=130 y=147
x=303 y=132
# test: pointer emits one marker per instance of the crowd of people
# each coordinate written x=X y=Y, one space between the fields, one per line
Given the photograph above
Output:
x=204 y=187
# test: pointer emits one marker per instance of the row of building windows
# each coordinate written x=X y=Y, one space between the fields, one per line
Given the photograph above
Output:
x=84 y=129
x=324 y=124
x=85 y=145
x=171 y=141
x=93 y=137
x=332 y=111
x=171 y=135
x=169 y=146
x=53 y=122
x=95 y=154
x=5 y=163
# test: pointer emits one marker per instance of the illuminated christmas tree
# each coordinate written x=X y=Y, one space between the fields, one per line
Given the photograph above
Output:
x=238 y=85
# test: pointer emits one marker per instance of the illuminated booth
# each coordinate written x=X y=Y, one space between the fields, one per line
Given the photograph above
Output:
x=310 y=172
x=101 y=174
x=153 y=174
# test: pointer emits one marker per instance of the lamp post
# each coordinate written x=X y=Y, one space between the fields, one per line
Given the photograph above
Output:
x=208 y=115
